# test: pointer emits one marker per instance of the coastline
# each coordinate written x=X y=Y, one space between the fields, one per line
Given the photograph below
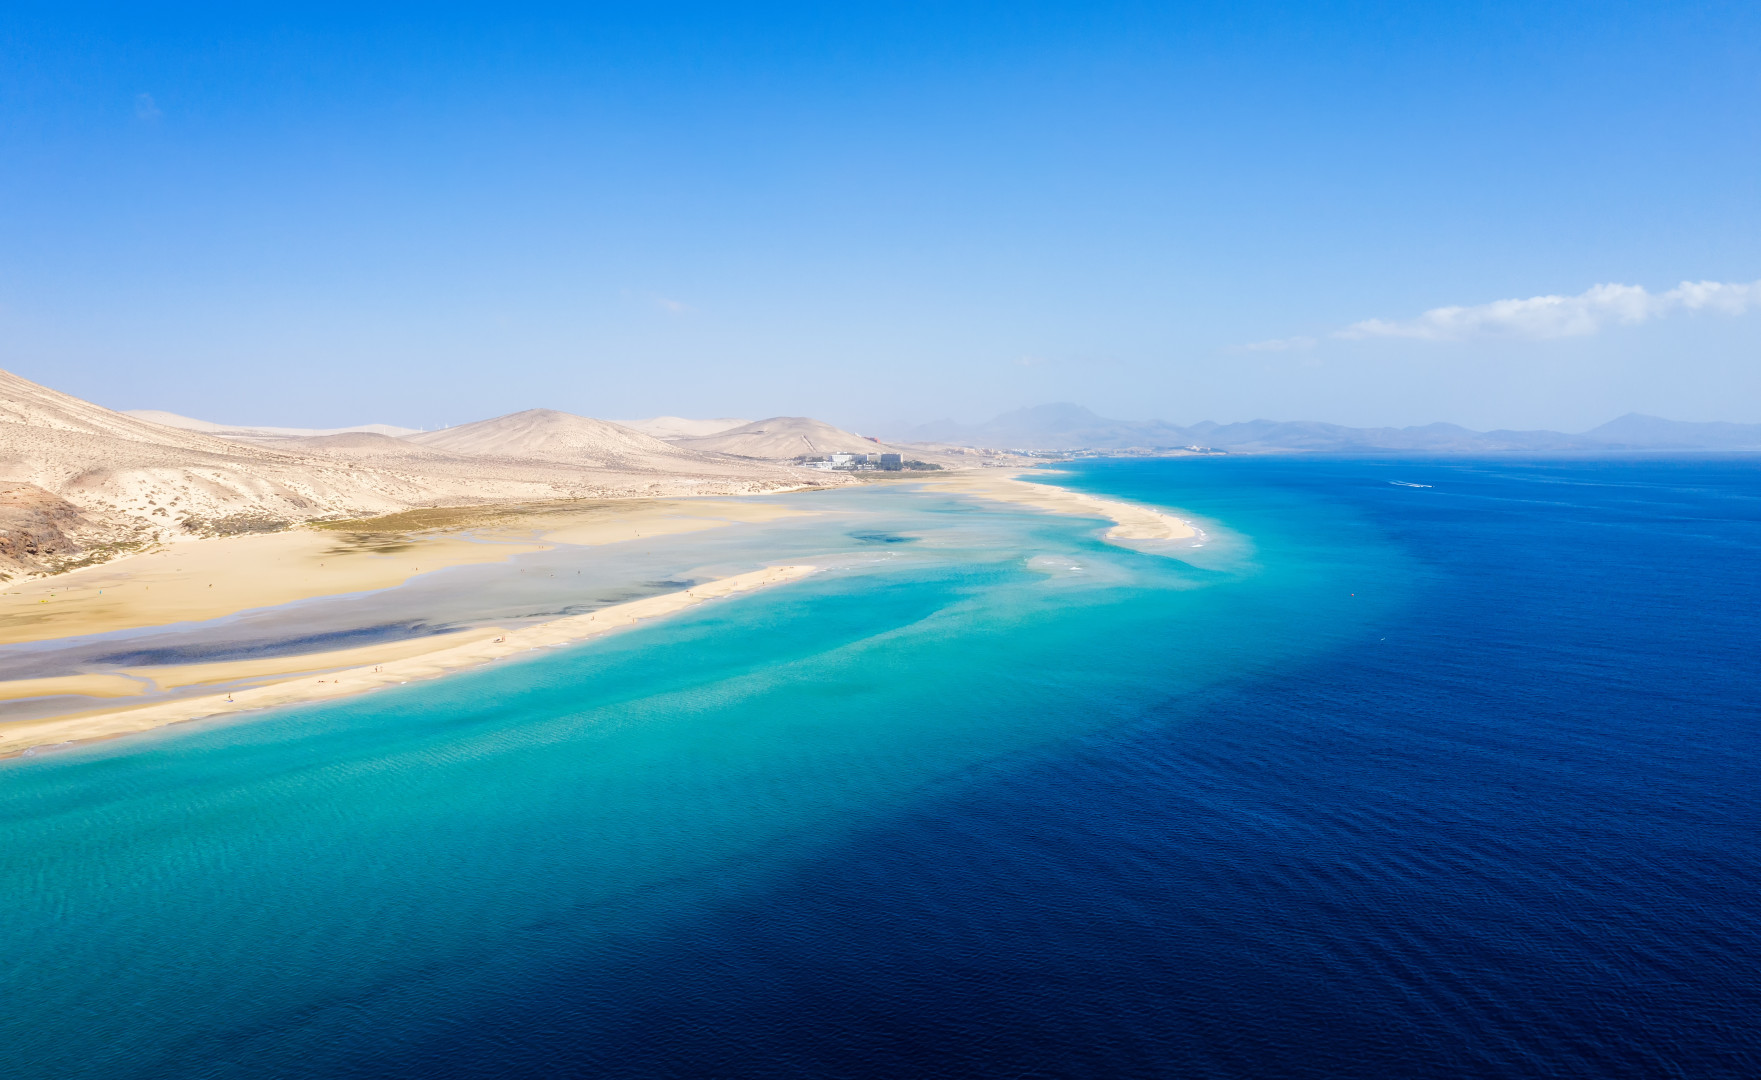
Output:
x=226 y=576
x=28 y=736
x=208 y=579
x=1131 y=521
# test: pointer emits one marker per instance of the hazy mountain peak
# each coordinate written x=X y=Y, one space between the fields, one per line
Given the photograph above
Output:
x=548 y=435
x=252 y=431
x=1066 y=426
x=679 y=427
x=1655 y=432
x=781 y=438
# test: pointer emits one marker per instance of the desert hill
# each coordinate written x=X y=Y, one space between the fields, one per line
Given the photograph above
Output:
x=132 y=481
x=784 y=438
x=549 y=435
x=359 y=445
x=79 y=481
x=27 y=404
x=42 y=533
x=678 y=427
x=245 y=431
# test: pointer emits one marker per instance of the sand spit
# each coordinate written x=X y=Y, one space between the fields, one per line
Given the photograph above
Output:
x=447 y=656
x=1132 y=522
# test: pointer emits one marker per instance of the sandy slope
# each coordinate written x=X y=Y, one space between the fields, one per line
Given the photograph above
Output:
x=549 y=435
x=679 y=427
x=247 y=431
x=563 y=439
x=782 y=438
x=168 y=481
x=134 y=482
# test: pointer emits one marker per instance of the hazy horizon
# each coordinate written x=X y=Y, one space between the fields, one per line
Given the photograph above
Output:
x=904 y=429
x=1502 y=218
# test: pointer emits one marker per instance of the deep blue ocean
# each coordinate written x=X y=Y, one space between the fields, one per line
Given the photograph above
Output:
x=1456 y=780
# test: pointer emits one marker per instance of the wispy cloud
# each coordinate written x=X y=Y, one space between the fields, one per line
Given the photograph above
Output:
x=654 y=301
x=146 y=108
x=1540 y=318
x=1287 y=344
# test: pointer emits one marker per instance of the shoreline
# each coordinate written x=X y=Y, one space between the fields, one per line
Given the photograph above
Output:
x=198 y=581
x=1131 y=521
x=35 y=736
x=254 y=572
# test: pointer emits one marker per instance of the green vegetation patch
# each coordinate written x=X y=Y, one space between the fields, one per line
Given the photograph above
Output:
x=454 y=518
x=236 y=525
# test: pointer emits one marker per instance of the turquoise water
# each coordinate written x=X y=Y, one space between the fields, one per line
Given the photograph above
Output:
x=1445 y=781
x=349 y=882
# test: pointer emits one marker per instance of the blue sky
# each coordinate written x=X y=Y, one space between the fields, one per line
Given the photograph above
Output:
x=432 y=214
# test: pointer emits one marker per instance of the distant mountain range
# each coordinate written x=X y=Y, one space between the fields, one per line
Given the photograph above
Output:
x=1071 y=427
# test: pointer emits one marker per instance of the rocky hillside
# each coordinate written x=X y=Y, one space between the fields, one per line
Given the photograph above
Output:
x=41 y=533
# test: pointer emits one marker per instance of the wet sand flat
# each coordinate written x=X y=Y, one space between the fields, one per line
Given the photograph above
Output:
x=209 y=579
x=446 y=654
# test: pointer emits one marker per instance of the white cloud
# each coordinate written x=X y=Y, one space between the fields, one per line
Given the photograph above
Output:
x=1539 y=318
x=146 y=108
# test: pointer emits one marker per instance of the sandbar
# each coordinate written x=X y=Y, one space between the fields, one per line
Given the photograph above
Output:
x=93 y=685
x=393 y=665
x=1131 y=521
